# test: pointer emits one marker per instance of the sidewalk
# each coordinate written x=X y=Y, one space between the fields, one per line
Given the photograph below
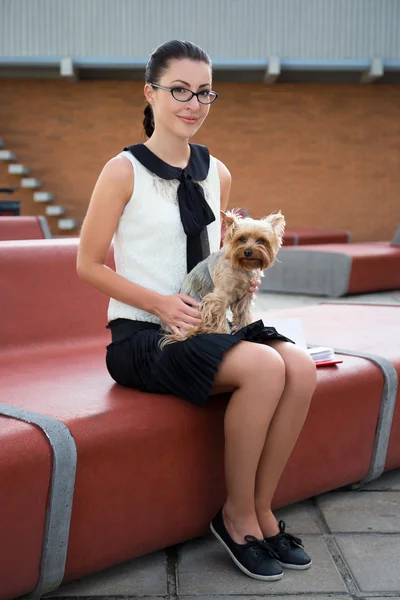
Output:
x=353 y=538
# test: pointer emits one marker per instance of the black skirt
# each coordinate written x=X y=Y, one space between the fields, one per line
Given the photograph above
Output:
x=186 y=369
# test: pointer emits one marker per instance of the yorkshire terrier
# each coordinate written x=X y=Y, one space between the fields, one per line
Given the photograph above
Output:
x=222 y=280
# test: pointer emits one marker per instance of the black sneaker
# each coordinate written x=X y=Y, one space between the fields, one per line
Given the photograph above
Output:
x=255 y=558
x=289 y=549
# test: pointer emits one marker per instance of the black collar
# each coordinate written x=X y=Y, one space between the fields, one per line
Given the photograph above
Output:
x=197 y=168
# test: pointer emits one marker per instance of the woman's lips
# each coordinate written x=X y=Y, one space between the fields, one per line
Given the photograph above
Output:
x=188 y=120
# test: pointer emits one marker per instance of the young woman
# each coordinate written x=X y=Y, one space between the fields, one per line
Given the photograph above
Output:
x=161 y=202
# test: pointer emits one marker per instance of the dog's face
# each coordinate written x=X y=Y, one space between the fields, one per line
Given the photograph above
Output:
x=250 y=243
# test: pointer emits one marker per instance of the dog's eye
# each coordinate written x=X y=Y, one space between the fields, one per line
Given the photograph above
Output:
x=242 y=239
x=260 y=241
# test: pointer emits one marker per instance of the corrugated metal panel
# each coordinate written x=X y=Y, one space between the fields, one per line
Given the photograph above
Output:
x=227 y=29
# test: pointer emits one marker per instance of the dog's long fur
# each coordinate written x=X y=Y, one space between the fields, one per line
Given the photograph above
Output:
x=222 y=280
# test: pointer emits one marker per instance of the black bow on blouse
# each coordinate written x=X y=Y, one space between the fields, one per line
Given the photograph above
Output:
x=194 y=210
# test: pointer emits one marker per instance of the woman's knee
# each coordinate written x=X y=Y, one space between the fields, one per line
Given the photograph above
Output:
x=303 y=368
x=300 y=367
x=251 y=363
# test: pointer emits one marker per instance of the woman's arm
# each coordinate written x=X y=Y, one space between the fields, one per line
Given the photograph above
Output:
x=111 y=193
x=225 y=182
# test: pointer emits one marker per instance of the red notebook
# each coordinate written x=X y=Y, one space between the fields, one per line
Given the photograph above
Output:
x=327 y=363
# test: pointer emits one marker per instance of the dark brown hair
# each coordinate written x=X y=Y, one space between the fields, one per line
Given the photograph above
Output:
x=159 y=62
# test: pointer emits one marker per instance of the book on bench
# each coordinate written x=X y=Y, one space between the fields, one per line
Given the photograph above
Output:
x=323 y=355
x=292 y=328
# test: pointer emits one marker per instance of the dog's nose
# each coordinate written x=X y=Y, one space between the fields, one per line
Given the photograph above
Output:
x=248 y=253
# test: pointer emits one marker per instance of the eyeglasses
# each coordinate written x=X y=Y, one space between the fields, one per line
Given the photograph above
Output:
x=184 y=95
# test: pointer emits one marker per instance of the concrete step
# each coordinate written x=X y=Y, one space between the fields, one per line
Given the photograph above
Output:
x=15 y=169
x=67 y=224
x=55 y=210
x=7 y=155
x=30 y=182
x=43 y=196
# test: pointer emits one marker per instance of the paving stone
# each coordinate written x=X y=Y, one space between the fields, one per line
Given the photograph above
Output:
x=361 y=511
x=373 y=560
x=300 y=518
x=205 y=567
x=387 y=481
x=268 y=595
x=145 y=575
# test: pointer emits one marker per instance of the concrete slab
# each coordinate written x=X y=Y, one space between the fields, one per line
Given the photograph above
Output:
x=346 y=511
x=388 y=481
x=206 y=568
x=267 y=595
x=300 y=518
x=142 y=576
x=373 y=561
x=271 y=300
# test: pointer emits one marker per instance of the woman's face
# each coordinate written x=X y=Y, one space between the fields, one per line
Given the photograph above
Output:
x=182 y=119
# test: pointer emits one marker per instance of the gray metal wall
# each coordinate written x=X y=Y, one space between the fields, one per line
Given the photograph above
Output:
x=227 y=29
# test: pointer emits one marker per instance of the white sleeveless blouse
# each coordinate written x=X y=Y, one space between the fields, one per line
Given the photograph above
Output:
x=150 y=243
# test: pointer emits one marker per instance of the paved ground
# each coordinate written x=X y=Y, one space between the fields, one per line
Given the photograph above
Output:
x=352 y=536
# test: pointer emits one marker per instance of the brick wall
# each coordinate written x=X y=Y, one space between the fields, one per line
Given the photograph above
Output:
x=326 y=155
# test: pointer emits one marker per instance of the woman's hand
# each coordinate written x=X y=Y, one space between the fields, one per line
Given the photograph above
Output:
x=179 y=311
x=254 y=285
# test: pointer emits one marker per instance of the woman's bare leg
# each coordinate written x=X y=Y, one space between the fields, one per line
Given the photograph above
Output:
x=256 y=393
x=284 y=429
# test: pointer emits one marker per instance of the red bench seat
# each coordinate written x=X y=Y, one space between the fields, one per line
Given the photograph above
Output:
x=335 y=269
x=149 y=469
x=360 y=328
x=24 y=228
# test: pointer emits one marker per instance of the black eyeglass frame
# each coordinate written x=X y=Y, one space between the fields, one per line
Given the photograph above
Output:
x=197 y=94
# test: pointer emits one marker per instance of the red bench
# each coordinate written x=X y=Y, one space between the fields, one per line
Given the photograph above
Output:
x=300 y=236
x=139 y=471
x=24 y=228
x=336 y=269
x=364 y=330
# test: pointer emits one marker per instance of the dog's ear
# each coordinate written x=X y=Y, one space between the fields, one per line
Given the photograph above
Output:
x=229 y=218
x=278 y=223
